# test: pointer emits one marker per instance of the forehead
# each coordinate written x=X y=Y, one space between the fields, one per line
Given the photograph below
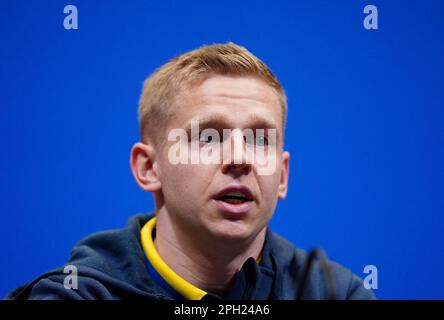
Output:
x=234 y=99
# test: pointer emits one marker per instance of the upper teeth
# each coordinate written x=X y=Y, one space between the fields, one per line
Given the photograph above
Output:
x=235 y=194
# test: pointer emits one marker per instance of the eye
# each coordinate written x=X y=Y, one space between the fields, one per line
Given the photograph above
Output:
x=206 y=137
x=261 y=141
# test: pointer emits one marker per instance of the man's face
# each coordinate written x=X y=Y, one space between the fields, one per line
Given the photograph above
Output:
x=229 y=199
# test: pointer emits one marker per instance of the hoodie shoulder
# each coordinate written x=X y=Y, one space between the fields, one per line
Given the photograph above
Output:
x=291 y=261
x=108 y=265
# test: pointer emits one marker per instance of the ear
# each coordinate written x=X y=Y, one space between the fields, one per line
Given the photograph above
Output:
x=144 y=168
x=283 y=183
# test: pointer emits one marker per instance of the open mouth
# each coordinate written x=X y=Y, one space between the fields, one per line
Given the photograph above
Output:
x=234 y=201
x=235 y=195
x=234 y=198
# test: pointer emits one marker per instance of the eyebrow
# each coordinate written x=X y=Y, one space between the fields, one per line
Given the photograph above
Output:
x=216 y=119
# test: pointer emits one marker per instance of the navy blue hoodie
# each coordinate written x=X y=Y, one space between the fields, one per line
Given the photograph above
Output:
x=112 y=265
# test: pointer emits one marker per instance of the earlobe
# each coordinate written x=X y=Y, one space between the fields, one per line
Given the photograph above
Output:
x=143 y=166
x=283 y=183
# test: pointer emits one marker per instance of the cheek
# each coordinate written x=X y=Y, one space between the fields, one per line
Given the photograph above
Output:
x=177 y=189
x=269 y=186
x=185 y=184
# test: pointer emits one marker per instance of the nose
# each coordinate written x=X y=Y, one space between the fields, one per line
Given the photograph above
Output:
x=236 y=160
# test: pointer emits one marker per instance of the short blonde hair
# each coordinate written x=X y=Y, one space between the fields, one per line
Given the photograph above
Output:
x=161 y=88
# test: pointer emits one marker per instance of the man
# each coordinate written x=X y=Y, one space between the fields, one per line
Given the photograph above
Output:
x=212 y=135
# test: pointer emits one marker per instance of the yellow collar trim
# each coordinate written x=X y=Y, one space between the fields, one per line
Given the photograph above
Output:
x=179 y=284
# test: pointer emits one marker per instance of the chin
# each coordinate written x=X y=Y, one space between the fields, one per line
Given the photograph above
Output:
x=232 y=230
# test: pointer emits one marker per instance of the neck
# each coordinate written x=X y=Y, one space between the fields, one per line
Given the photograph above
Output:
x=208 y=263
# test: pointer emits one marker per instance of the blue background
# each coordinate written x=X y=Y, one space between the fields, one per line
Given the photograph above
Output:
x=365 y=126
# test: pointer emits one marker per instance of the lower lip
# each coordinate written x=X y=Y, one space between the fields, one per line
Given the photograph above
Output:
x=234 y=210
